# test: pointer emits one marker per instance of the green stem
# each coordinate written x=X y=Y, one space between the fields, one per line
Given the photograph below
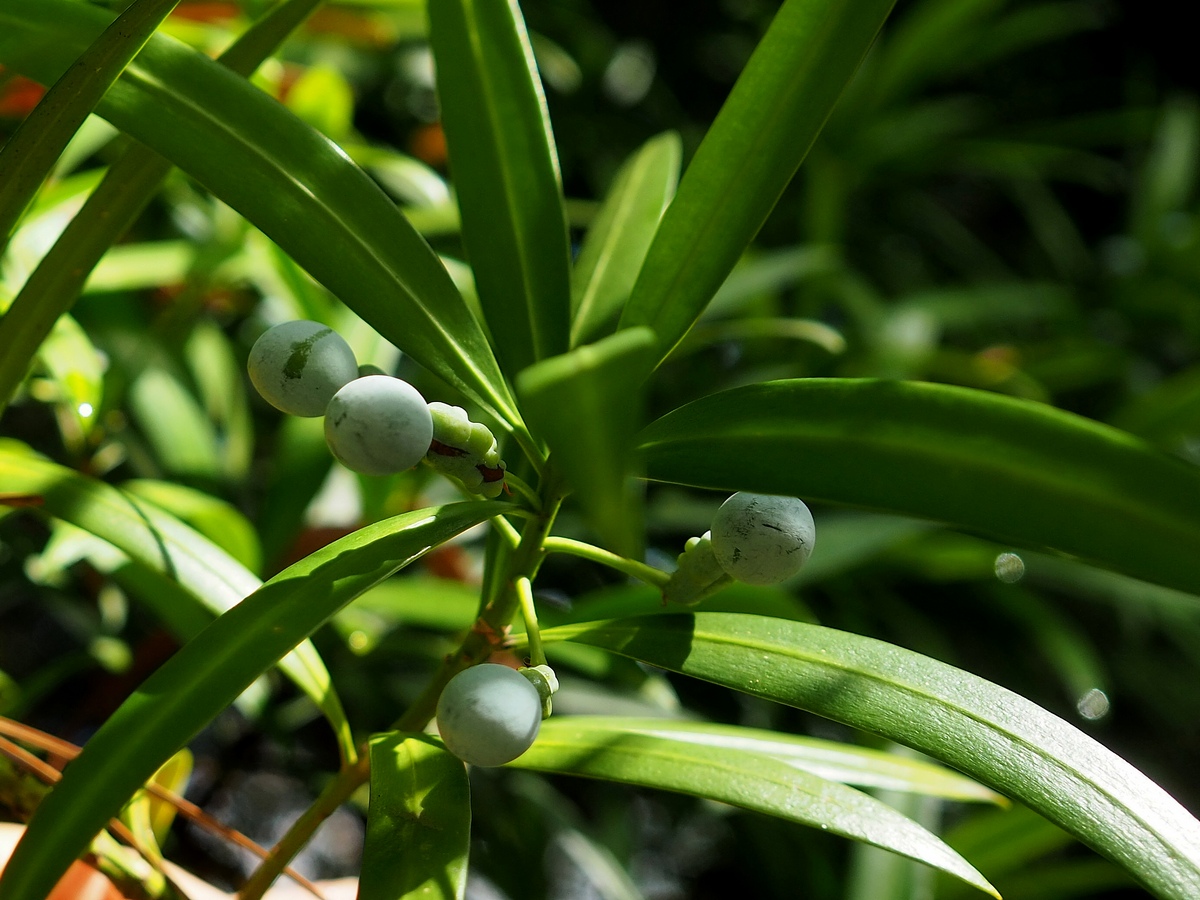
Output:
x=510 y=534
x=336 y=793
x=523 y=564
x=630 y=567
x=533 y=634
x=521 y=487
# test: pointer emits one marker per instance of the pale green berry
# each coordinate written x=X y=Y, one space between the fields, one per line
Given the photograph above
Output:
x=299 y=366
x=378 y=425
x=762 y=538
x=489 y=715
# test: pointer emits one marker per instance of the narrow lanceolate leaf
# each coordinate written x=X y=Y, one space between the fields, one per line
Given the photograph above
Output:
x=979 y=728
x=418 y=823
x=29 y=155
x=205 y=676
x=616 y=243
x=505 y=168
x=210 y=577
x=596 y=748
x=762 y=133
x=843 y=763
x=586 y=404
x=285 y=177
x=1016 y=471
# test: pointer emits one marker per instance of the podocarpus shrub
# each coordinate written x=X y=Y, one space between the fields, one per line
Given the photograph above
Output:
x=554 y=358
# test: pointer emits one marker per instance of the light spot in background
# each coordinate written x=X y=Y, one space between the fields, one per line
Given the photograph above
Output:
x=1093 y=705
x=86 y=409
x=1009 y=568
x=629 y=73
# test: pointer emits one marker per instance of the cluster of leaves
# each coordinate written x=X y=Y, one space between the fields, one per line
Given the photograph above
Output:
x=665 y=345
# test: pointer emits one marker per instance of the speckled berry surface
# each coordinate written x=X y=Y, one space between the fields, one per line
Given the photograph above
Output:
x=762 y=538
x=298 y=366
x=378 y=425
x=488 y=715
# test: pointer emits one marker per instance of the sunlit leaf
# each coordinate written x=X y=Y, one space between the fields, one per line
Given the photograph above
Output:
x=758 y=140
x=1017 y=471
x=205 y=676
x=418 y=823
x=595 y=748
x=505 y=169
x=979 y=728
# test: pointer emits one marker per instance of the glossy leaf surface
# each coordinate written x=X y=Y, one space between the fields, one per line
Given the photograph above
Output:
x=596 y=748
x=505 y=168
x=165 y=546
x=205 y=676
x=986 y=731
x=282 y=175
x=843 y=763
x=759 y=138
x=1014 y=470
x=30 y=154
x=418 y=823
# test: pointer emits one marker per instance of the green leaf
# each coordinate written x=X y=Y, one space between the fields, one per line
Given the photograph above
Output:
x=1017 y=471
x=833 y=761
x=217 y=520
x=207 y=674
x=979 y=728
x=136 y=267
x=111 y=208
x=586 y=405
x=168 y=547
x=418 y=823
x=598 y=748
x=505 y=168
x=30 y=154
x=286 y=178
x=616 y=243
x=181 y=435
x=759 y=138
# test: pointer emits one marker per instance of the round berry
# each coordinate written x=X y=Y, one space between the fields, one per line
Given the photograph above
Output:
x=762 y=538
x=299 y=366
x=489 y=715
x=378 y=425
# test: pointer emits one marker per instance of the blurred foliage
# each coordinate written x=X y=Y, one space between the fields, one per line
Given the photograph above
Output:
x=999 y=201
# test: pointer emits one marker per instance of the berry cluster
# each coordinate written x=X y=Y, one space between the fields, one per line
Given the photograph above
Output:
x=374 y=424
x=755 y=538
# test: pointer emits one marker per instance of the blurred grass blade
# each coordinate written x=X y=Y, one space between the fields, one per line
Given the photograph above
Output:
x=979 y=728
x=418 y=823
x=179 y=432
x=286 y=178
x=1016 y=471
x=166 y=546
x=206 y=675
x=30 y=154
x=118 y=200
x=505 y=169
x=598 y=748
x=833 y=761
x=759 y=138
x=586 y=404
x=616 y=243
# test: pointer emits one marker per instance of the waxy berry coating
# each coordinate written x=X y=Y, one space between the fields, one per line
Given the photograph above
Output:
x=378 y=425
x=762 y=538
x=489 y=715
x=297 y=367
